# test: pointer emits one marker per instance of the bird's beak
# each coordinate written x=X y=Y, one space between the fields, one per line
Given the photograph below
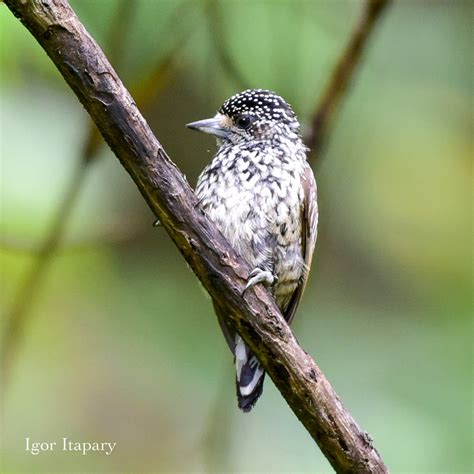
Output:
x=212 y=126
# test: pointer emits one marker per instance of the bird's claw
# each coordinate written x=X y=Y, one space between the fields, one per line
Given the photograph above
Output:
x=157 y=223
x=257 y=275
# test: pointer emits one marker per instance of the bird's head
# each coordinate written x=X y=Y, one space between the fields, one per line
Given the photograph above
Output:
x=255 y=114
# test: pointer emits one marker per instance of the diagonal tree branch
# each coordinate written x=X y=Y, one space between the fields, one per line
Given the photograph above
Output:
x=114 y=44
x=144 y=93
x=255 y=316
x=342 y=76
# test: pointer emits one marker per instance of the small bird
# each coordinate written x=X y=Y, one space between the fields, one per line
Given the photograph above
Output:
x=260 y=192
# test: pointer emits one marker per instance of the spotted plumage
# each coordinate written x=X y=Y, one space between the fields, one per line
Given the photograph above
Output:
x=260 y=192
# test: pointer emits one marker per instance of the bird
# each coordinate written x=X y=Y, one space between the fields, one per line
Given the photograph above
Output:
x=260 y=192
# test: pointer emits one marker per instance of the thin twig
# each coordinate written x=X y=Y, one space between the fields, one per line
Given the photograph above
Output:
x=342 y=76
x=115 y=233
x=22 y=304
x=16 y=317
x=222 y=272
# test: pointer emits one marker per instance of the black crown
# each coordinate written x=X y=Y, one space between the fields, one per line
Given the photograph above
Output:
x=262 y=103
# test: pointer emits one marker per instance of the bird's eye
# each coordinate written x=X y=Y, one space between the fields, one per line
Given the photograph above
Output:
x=244 y=121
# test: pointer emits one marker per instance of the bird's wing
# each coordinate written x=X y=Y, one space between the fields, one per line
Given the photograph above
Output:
x=309 y=211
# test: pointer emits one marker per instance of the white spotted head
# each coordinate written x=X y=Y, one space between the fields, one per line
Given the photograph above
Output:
x=254 y=114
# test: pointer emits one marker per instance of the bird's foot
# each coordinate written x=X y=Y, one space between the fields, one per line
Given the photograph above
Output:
x=257 y=275
x=157 y=223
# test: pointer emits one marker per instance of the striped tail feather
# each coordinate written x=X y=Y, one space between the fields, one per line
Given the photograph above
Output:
x=249 y=376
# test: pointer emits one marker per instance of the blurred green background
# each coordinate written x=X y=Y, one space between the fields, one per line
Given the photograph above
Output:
x=121 y=344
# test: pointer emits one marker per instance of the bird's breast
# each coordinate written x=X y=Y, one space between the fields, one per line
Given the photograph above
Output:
x=255 y=200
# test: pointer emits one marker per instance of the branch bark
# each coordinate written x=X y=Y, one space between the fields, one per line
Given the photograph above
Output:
x=342 y=76
x=256 y=317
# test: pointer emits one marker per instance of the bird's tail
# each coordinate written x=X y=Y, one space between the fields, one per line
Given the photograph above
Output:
x=249 y=376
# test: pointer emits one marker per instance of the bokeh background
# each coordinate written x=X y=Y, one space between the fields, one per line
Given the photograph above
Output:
x=120 y=342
